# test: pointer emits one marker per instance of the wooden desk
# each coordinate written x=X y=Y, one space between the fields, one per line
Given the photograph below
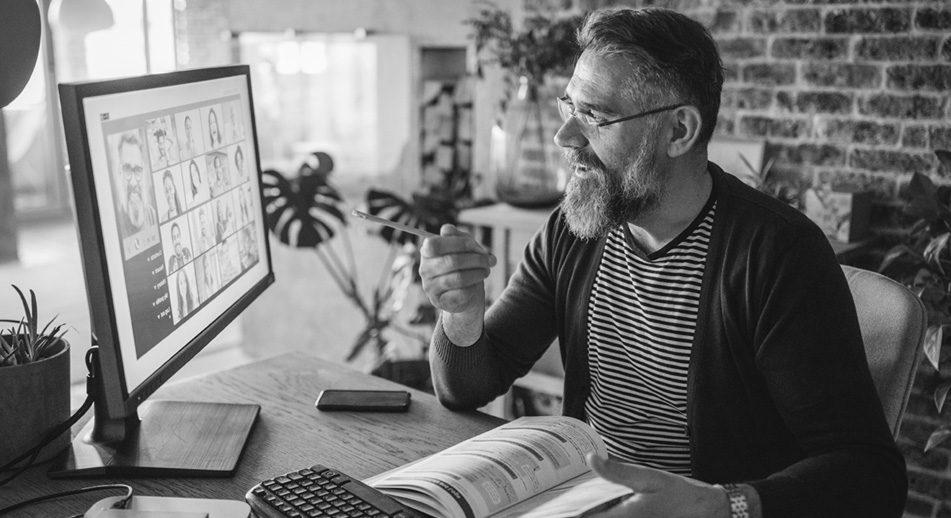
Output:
x=289 y=434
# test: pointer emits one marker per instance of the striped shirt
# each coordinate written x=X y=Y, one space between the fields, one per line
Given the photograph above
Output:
x=642 y=319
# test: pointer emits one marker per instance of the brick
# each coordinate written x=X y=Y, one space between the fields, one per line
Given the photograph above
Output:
x=902 y=106
x=731 y=72
x=858 y=132
x=872 y=20
x=821 y=102
x=935 y=78
x=769 y=127
x=944 y=510
x=946 y=50
x=769 y=73
x=884 y=160
x=929 y=484
x=898 y=48
x=917 y=506
x=881 y=186
x=842 y=75
x=914 y=136
x=724 y=21
x=725 y=125
x=742 y=48
x=930 y=18
x=753 y=98
x=940 y=137
x=811 y=154
x=780 y=21
x=810 y=48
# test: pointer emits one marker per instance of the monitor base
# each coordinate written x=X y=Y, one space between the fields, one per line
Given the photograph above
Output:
x=173 y=439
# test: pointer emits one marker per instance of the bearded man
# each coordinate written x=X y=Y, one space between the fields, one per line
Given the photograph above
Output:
x=706 y=330
x=135 y=202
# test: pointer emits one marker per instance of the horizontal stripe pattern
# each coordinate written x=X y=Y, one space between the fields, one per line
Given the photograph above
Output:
x=641 y=322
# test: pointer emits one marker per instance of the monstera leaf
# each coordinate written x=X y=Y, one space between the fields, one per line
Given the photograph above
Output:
x=303 y=211
x=425 y=213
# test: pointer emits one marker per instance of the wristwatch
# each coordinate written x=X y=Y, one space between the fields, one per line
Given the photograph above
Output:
x=738 y=505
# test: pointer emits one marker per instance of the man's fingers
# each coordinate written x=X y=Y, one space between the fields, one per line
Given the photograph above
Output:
x=638 y=478
x=454 y=241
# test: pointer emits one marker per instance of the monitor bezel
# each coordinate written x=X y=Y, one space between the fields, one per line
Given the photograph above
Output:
x=118 y=400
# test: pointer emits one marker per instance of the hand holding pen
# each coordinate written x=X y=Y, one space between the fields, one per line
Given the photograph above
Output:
x=453 y=266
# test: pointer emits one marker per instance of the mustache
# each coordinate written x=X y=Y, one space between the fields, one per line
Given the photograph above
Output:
x=583 y=158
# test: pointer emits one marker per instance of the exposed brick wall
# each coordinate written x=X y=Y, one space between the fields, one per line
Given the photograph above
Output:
x=854 y=93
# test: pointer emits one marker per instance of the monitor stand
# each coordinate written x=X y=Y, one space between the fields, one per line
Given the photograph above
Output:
x=172 y=439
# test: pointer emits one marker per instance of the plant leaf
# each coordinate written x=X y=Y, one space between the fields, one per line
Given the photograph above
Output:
x=303 y=212
x=932 y=346
x=941 y=394
x=935 y=247
x=938 y=436
x=389 y=206
x=924 y=202
x=895 y=253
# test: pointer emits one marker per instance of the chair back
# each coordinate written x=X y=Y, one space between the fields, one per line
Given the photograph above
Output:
x=893 y=323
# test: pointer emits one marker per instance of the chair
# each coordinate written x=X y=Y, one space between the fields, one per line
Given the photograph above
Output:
x=893 y=323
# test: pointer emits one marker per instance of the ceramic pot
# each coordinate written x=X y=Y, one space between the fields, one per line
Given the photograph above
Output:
x=34 y=399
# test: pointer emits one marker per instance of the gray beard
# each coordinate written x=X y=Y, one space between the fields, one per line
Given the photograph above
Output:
x=603 y=200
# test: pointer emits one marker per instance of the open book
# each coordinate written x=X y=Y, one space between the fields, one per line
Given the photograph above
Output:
x=530 y=467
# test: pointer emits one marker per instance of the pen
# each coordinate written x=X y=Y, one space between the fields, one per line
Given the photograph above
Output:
x=393 y=224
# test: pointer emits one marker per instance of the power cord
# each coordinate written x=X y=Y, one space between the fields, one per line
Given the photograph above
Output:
x=121 y=504
x=34 y=452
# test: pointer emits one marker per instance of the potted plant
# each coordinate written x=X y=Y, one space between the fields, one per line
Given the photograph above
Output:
x=308 y=211
x=34 y=384
x=527 y=165
x=923 y=263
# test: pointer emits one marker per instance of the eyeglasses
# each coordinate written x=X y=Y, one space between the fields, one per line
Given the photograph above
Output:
x=129 y=170
x=590 y=123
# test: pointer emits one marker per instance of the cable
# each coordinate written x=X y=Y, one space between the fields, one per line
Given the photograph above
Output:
x=118 y=505
x=34 y=452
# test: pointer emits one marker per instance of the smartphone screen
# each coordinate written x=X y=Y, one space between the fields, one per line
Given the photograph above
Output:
x=364 y=400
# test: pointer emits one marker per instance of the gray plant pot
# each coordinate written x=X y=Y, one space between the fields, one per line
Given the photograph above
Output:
x=34 y=399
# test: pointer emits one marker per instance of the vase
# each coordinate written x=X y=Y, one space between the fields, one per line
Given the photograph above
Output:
x=528 y=166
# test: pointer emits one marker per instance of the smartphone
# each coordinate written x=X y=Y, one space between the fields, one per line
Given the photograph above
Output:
x=364 y=400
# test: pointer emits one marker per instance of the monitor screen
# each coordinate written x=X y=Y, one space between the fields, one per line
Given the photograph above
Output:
x=167 y=187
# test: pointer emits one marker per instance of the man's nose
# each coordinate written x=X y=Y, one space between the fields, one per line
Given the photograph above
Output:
x=569 y=135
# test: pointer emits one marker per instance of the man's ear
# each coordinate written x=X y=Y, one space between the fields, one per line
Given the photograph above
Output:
x=686 y=129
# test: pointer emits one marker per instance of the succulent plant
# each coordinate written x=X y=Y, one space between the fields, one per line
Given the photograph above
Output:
x=25 y=342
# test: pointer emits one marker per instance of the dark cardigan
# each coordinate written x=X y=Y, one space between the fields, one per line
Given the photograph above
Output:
x=779 y=393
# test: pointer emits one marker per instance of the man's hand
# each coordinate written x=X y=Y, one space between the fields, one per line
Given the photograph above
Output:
x=453 y=267
x=659 y=494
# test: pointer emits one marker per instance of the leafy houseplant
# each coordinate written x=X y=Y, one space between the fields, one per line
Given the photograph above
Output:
x=525 y=161
x=34 y=383
x=307 y=211
x=923 y=262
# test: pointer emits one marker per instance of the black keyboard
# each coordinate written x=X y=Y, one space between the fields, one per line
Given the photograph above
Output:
x=319 y=492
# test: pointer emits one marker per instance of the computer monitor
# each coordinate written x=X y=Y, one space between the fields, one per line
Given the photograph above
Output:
x=167 y=187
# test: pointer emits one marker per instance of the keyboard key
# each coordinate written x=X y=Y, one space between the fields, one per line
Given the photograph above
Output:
x=319 y=492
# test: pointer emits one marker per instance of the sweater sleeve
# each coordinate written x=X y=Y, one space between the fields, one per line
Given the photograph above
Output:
x=809 y=350
x=519 y=327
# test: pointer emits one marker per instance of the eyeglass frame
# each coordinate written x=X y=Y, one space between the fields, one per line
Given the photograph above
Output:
x=572 y=112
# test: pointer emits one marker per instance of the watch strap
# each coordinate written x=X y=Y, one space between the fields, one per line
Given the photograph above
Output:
x=739 y=507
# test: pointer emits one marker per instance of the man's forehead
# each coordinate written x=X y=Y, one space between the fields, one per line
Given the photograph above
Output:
x=598 y=80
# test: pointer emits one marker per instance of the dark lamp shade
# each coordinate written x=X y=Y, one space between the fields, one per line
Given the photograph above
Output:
x=19 y=46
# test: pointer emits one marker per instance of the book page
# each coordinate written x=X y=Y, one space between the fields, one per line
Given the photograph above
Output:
x=577 y=497
x=497 y=469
